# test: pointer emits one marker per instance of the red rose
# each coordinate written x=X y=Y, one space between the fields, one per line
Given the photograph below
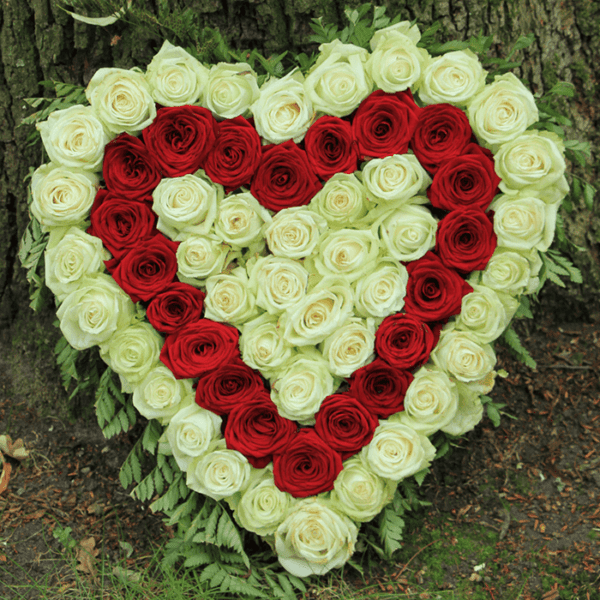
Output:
x=200 y=347
x=433 y=292
x=465 y=240
x=331 y=148
x=148 y=269
x=442 y=133
x=380 y=388
x=466 y=181
x=404 y=341
x=179 y=305
x=256 y=429
x=345 y=424
x=129 y=170
x=235 y=155
x=384 y=124
x=121 y=224
x=284 y=177
x=306 y=466
x=228 y=386
x=180 y=138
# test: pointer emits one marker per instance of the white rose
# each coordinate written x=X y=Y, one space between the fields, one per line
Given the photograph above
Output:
x=360 y=493
x=314 y=539
x=176 y=78
x=319 y=313
x=524 y=221
x=397 y=451
x=132 y=352
x=338 y=82
x=229 y=299
x=283 y=111
x=396 y=63
x=71 y=255
x=191 y=432
x=381 y=292
x=300 y=389
x=74 y=138
x=122 y=100
x=92 y=313
x=461 y=354
x=160 y=396
x=294 y=232
x=262 y=345
x=502 y=111
x=453 y=78
x=468 y=414
x=396 y=177
x=342 y=201
x=350 y=347
x=408 y=232
x=430 y=403
x=512 y=272
x=186 y=204
x=62 y=197
x=241 y=220
x=220 y=473
x=199 y=257
x=231 y=89
x=279 y=283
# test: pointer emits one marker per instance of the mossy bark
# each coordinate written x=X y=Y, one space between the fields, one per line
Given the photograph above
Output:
x=38 y=40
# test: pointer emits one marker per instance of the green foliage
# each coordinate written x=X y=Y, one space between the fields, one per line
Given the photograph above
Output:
x=512 y=340
x=494 y=410
x=114 y=410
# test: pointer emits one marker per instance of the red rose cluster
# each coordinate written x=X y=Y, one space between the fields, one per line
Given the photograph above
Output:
x=181 y=140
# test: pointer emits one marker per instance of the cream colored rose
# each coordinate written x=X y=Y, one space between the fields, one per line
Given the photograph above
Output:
x=338 y=82
x=524 y=221
x=279 y=283
x=430 y=403
x=95 y=311
x=132 y=352
x=220 y=473
x=295 y=232
x=175 y=77
x=396 y=177
x=350 y=347
x=241 y=220
x=502 y=111
x=160 y=396
x=186 y=204
x=463 y=355
x=347 y=253
x=231 y=90
x=74 y=138
x=122 y=100
x=319 y=313
x=191 y=432
x=381 y=292
x=199 y=257
x=397 y=451
x=408 y=232
x=301 y=387
x=396 y=63
x=262 y=345
x=453 y=78
x=512 y=272
x=70 y=255
x=468 y=414
x=342 y=200
x=314 y=539
x=62 y=197
x=360 y=493
x=283 y=111
x=229 y=299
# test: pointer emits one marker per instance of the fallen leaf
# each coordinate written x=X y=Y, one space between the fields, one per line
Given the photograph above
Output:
x=5 y=476
x=14 y=449
x=86 y=554
x=126 y=574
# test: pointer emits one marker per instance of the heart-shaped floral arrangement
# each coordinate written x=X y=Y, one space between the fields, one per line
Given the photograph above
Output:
x=318 y=285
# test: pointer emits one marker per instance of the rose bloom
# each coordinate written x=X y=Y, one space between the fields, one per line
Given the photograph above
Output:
x=295 y=232
x=175 y=307
x=241 y=220
x=262 y=344
x=350 y=347
x=231 y=89
x=382 y=291
x=229 y=299
x=199 y=257
x=180 y=139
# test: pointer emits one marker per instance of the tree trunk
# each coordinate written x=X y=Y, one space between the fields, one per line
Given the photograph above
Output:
x=38 y=41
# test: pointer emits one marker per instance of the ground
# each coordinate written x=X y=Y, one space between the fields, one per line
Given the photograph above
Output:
x=514 y=514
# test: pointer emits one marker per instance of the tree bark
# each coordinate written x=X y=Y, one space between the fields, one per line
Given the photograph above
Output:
x=40 y=41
